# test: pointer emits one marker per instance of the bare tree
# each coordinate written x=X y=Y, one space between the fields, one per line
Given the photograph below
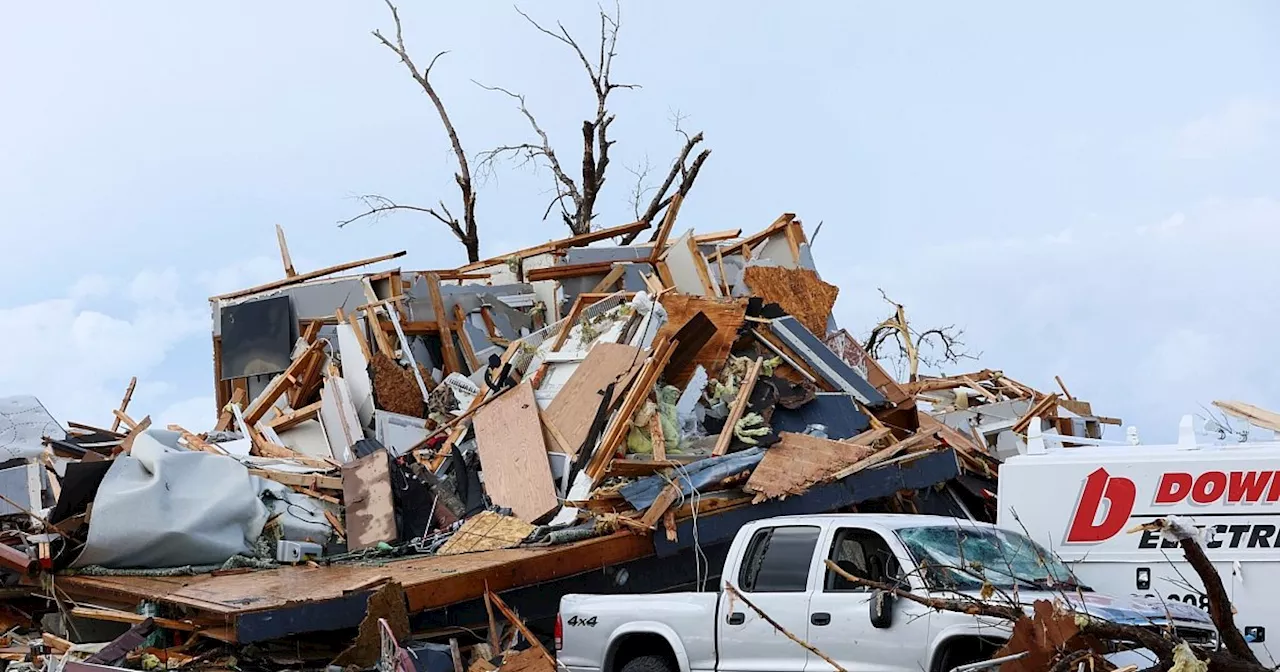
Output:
x=933 y=347
x=577 y=198
x=376 y=206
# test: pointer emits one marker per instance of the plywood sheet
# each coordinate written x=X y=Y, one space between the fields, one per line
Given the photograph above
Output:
x=798 y=462
x=487 y=531
x=366 y=490
x=726 y=314
x=574 y=406
x=513 y=456
x=797 y=290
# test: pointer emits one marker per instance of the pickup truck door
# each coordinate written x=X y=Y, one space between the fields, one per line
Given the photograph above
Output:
x=840 y=610
x=774 y=573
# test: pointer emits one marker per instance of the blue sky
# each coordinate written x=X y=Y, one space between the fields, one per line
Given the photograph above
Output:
x=1089 y=191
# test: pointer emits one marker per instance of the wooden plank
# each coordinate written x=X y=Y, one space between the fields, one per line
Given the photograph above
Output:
x=1039 y=409
x=573 y=408
x=514 y=456
x=487 y=531
x=717 y=236
x=746 y=244
x=366 y=490
x=1063 y=386
x=227 y=417
x=124 y=403
x=467 y=350
x=279 y=384
x=380 y=336
x=451 y=361
x=567 y=271
x=295 y=418
x=123 y=417
x=657 y=438
x=312 y=481
x=608 y=281
x=116 y=616
x=664 y=229
x=289 y=271
x=516 y=621
x=572 y=241
x=360 y=337
x=328 y=270
x=739 y=405
x=704 y=270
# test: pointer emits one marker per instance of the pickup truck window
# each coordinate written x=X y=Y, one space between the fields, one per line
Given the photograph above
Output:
x=963 y=558
x=778 y=560
x=864 y=554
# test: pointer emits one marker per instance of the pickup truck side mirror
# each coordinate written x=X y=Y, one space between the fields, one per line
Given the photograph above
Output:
x=882 y=609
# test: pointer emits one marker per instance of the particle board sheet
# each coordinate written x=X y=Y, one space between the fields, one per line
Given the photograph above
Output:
x=798 y=291
x=726 y=314
x=366 y=490
x=799 y=461
x=574 y=406
x=513 y=455
x=487 y=531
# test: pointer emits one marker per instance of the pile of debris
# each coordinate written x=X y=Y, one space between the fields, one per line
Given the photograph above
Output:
x=395 y=449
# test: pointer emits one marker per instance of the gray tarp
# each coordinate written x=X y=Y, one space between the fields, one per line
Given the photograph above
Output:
x=695 y=476
x=160 y=507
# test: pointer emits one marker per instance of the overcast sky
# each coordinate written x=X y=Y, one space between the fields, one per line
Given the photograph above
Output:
x=1090 y=191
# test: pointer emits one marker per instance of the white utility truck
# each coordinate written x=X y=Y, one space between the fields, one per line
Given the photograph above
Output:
x=1080 y=502
x=779 y=565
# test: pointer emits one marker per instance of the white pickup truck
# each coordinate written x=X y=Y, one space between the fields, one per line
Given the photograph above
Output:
x=779 y=564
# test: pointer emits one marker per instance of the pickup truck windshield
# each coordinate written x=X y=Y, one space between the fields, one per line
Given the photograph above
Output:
x=964 y=558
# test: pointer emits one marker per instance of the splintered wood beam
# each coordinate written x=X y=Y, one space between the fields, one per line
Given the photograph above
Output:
x=739 y=406
x=568 y=271
x=226 y=417
x=468 y=350
x=1039 y=409
x=1063 y=387
x=657 y=438
x=572 y=241
x=312 y=275
x=295 y=418
x=451 y=361
x=616 y=432
x=519 y=625
x=614 y=275
x=664 y=230
x=121 y=416
x=124 y=404
x=279 y=385
x=284 y=253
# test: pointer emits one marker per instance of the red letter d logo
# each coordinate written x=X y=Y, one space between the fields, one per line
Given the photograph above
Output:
x=1119 y=493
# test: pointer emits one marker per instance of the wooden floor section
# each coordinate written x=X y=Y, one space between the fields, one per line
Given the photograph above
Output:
x=429 y=582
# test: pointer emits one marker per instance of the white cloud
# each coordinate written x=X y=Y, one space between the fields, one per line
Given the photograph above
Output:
x=1148 y=322
x=91 y=286
x=242 y=274
x=1241 y=126
x=198 y=414
x=78 y=360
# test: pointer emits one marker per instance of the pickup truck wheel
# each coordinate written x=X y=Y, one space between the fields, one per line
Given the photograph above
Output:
x=648 y=664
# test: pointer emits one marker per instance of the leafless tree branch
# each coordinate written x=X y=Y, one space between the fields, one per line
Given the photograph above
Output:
x=465 y=230
x=934 y=348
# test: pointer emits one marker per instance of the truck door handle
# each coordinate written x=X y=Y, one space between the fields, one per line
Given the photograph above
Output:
x=820 y=618
x=737 y=618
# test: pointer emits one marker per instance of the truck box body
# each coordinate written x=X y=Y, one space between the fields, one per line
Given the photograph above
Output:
x=1082 y=502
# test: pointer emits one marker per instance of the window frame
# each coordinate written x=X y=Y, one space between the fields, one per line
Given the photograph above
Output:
x=752 y=555
x=840 y=531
